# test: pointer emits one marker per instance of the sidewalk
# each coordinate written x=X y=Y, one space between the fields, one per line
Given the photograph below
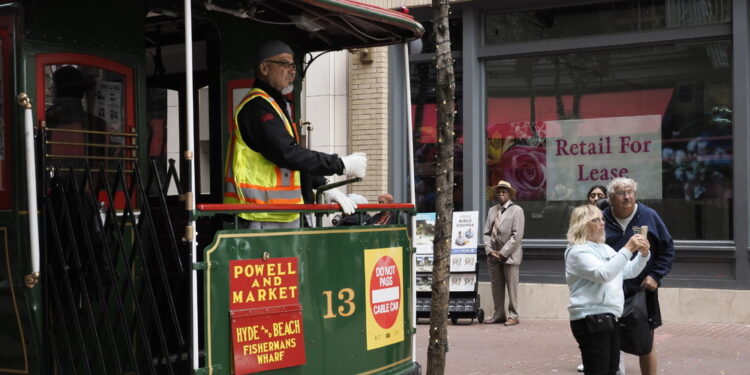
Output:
x=546 y=346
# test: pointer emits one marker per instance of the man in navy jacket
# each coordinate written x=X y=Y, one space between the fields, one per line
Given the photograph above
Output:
x=625 y=217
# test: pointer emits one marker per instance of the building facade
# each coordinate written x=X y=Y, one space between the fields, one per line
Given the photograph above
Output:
x=558 y=96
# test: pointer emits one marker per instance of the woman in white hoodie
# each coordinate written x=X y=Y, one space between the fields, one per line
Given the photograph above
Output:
x=594 y=273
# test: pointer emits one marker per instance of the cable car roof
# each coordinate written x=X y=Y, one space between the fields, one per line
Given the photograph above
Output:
x=322 y=25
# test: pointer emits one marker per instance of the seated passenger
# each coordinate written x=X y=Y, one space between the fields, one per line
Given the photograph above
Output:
x=386 y=217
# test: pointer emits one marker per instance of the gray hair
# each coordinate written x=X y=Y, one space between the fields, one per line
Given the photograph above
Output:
x=621 y=182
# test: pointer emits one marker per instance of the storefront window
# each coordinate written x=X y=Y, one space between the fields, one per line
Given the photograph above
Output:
x=424 y=118
x=605 y=18
x=662 y=115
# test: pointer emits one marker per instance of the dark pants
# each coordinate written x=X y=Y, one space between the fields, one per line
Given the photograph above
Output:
x=599 y=344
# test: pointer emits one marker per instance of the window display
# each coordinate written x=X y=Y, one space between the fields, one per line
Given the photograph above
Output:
x=559 y=124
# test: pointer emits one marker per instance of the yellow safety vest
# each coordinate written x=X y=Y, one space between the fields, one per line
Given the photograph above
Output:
x=251 y=178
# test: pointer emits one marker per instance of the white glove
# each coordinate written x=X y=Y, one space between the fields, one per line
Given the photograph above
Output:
x=347 y=206
x=355 y=164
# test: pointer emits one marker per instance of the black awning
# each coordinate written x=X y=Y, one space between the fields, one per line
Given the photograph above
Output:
x=321 y=25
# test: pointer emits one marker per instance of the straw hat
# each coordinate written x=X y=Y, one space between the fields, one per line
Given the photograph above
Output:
x=506 y=185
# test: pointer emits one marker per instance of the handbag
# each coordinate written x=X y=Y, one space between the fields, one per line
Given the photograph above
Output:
x=636 y=335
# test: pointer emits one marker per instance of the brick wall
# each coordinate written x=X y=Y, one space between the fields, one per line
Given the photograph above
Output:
x=368 y=119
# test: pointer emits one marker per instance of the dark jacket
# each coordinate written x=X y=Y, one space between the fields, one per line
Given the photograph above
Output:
x=353 y=219
x=395 y=218
x=662 y=246
x=264 y=132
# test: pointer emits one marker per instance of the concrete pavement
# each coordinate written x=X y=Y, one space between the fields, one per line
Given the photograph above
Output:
x=546 y=346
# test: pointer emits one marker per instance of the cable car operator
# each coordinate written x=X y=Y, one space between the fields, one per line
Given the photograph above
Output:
x=265 y=162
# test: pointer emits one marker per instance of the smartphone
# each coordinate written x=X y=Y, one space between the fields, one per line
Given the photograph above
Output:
x=644 y=230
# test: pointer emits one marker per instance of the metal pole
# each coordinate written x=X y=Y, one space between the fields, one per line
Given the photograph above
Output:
x=191 y=233
x=32 y=278
x=412 y=195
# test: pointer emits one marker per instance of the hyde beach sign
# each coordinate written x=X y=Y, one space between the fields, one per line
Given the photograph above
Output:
x=384 y=297
x=586 y=152
x=266 y=317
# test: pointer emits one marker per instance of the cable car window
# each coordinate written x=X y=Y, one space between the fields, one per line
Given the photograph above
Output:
x=87 y=117
x=83 y=110
x=88 y=112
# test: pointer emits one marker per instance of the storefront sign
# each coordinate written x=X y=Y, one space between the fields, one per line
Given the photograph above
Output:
x=266 y=326
x=384 y=296
x=587 y=152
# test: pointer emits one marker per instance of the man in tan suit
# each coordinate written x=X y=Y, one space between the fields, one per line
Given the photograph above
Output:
x=503 y=233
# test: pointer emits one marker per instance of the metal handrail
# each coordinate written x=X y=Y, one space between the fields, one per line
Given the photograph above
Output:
x=102 y=145
x=101 y=132
x=32 y=278
x=82 y=170
x=210 y=209
x=322 y=189
x=90 y=157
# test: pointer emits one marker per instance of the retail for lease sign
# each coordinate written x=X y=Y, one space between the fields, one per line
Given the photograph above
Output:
x=586 y=152
x=384 y=297
x=266 y=317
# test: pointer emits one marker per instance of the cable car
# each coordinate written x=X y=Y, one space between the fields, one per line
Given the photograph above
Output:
x=117 y=256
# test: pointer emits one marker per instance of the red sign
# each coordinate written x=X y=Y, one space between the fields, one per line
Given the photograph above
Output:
x=385 y=292
x=267 y=331
x=255 y=283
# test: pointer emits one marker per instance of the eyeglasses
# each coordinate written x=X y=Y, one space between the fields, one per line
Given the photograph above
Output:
x=285 y=64
x=624 y=193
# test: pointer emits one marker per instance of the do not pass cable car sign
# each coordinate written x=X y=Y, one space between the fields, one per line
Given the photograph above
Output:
x=384 y=295
x=267 y=330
